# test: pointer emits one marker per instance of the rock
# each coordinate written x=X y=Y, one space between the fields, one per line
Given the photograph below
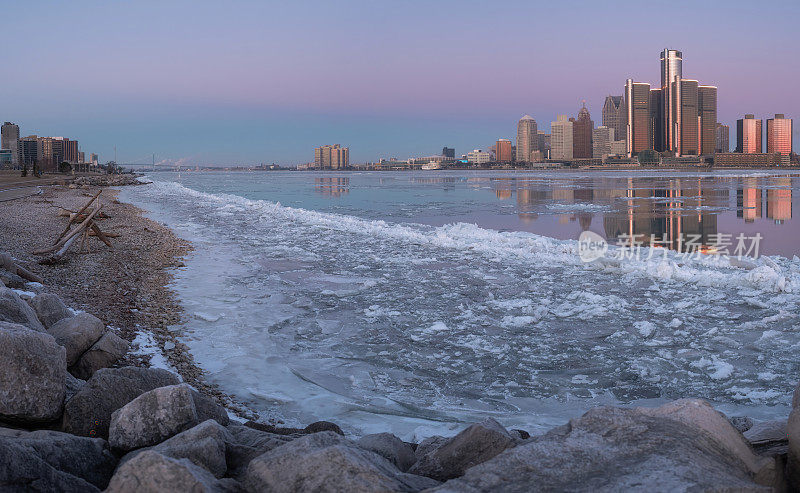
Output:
x=478 y=443
x=519 y=434
x=204 y=445
x=103 y=353
x=767 y=432
x=741 y=423
x=207 y=408
x=390 y=448
x=152 y=472
x=670 y=448
x=796 y=398
x=429 y=444
x=248 y=443
x=32 y=375
x=73 y=386
x=319 y=426
x=77 y=334
x=53 y=461
x=793 y=459
x=11 y=280
x=325 y=462
x=88 y=413
x=49 y=309
x=153 y=417
x=14 y=310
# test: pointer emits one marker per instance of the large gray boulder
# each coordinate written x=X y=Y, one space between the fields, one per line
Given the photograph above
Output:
x=153 y=417
x=151 y=472
x=73 y=386
x=205 y=445
x=53 y=461
x=390 y=448
x=327 y=462
x=103 y=353
x=49 y=309
x=88 y=413
x=32 y=375
x=77 y=334
x=207 y=408
x=673 y=448
x=15 y=310
x=476 y=444
x=793 y=435
x=248 y=443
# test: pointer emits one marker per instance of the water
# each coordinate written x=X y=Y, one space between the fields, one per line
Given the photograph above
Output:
x=415 y=302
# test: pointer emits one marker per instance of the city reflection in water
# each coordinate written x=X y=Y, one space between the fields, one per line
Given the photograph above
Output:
x=333 y=186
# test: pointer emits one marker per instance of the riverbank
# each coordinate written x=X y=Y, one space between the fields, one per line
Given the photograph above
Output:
x=127 y=286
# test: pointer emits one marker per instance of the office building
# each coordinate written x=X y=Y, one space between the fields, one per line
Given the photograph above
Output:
x=28 y=150
x=723 y=138
x=688 y=138
x=5 y=158
x=331 y=157
x=614 y=115
x=669 y=137
x=582 y=135
x=94 y=159
x=748 y=135
x=503 y=151
x=448 y=152
x=707 y=123
x=639 y=131
x=527 y=138
x=561 y=138
x=9 y=134
x=779 y=135
x=602 y=137
x=544 y=144
x=479 y=157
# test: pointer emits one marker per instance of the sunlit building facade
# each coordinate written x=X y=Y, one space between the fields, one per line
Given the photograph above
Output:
x=582 y=135
x=707 y=119
x=779 y=135
x=331 y=157
x=527 y=138
x=614 y=116
x=639 y=133
x=672 y=117
x=561 y=138
x=504 y=151
x=723 y=138
x=748 y=135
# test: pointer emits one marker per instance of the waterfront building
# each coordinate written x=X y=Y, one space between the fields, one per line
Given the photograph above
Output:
x=707 y=123
x=639 y=133
x=28 y=150
x=779 y=135
x=449 y=152
x=614 y=115
x=479 y=156
x=602 y=137
x=723 y=138
x=504 y=151
x=9 y=135
x=582 y=134
x=561 y=138
x=544 y=144
x=94 y=159
x=331 y=157
x=748 y=135
x=5 y=158
x=688 y=138
x=669 y=137
x=618 y=148
x=527 y=138
x=740 y=159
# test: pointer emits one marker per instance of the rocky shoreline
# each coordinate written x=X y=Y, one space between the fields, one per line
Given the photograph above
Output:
x=80 y=412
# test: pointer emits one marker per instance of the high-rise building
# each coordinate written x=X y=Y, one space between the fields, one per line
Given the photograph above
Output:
x=639 y=133
x=448 y=152
x=671 y=100
x=707 y=123
x=94 y=159
x=602 y=137
x=331 y=157
x=561 y=138
x=779 y=135
x=688 y=138
x=544 y=144
x=9 y=135
x=614 y=115
x=748 y=135
x=582 y=135
x=527 y=138
x=723 y=138
x=657 y=119
x=503 y=151
x=28 y=150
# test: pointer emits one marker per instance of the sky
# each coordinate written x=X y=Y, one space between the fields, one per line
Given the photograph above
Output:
x=240 y=82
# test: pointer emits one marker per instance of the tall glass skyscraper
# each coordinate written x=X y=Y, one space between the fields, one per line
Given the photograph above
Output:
x=748 y=135
x=527 y=138
x=637 y=109
x=671 y=75
x=779 y=135
x=707 y=114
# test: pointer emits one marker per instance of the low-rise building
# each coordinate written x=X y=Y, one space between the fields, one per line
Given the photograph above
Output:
x=479 y=156
x=758 y=159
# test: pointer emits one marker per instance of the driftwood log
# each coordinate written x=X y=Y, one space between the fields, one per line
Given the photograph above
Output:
x=7 y=263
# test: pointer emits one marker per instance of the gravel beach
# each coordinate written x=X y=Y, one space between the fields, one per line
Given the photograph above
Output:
x=127 y=287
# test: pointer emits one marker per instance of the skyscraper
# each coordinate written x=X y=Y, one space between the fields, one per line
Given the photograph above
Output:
x=9 y=135
x=448 y=152
x=503 y=151
x=748 y=135
x=671 y=75
x=602 y=137
x=707 y=114
x=688 y=121
x=544 y=144
x=561 y=138
x=614 y=116
x=639 y=135
x=527 y=138
x=779 y=135
x=582 y=134
x=723 y=138
x=331 y=157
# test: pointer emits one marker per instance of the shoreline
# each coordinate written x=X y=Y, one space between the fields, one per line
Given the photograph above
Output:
x=127 y=287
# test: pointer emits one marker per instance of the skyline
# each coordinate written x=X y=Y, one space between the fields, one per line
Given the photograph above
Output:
x=208 y=85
